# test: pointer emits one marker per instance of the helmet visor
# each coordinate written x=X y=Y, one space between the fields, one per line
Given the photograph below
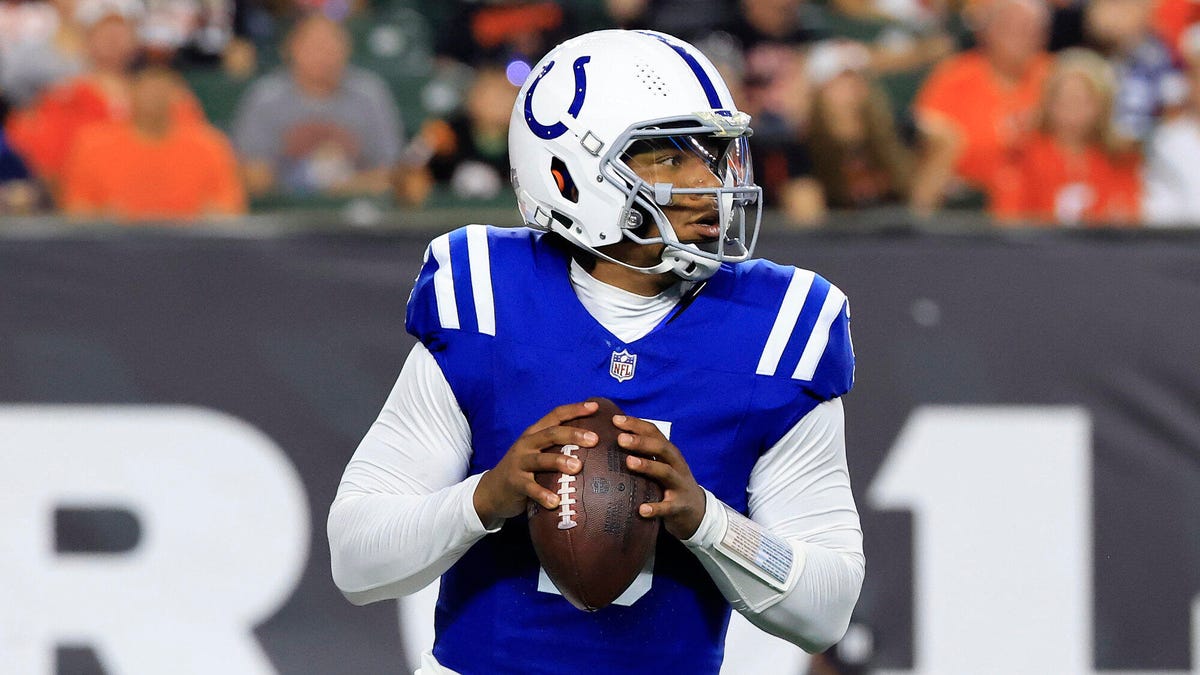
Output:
x=696 y=187
x=691 y=161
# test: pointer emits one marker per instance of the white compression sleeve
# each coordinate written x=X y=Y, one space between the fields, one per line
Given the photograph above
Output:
x=803 y=531
x=403 y=513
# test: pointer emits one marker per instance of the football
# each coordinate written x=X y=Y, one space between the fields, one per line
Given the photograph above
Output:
x=594 y=544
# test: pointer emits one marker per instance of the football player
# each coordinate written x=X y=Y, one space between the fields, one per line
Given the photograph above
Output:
x=633 y=281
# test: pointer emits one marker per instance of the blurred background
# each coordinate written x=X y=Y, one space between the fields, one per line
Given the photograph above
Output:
x=212 y=212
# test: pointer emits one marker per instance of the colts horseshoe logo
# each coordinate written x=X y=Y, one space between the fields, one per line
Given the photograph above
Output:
x=558 y=128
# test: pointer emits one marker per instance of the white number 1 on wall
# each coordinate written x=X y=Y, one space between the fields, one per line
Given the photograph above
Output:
x=1001 y=498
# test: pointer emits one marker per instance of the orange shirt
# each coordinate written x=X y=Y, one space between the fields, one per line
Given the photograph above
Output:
x=991 y=115
x=1172 y=18
x=1045 y=183
x=44 y=133
x=116 y=171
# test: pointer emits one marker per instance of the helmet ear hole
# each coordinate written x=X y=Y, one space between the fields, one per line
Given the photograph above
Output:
x=562 y=179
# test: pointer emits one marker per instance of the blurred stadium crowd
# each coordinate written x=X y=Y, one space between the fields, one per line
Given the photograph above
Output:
x=1046 y=112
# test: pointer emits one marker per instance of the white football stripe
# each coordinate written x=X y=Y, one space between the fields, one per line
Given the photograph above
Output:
x=481 y=278
x=820 y=335
x=443 y=282
x=785 y=321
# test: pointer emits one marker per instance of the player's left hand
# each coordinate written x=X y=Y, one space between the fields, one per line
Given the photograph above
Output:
x=682 y=505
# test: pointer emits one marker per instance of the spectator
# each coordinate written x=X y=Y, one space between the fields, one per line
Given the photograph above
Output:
x=906 y=36
x=49 y=51
x=773 y=22
x=502 y=30
x=151 y=165
x=782 y=107
x=18 y=194
x=1075 y=168
x=687 y=19
x=472 y=33
x=25 y=21
x=194 y=32
x=1172 y=175
x=1066 y=24
x=773 y=34
x=858 y=158
x=468 y=153
x=320 y=126
x=1124 y=31
x=196 y=35
x=914 y=14
x=45 y=132
x=975 y=106
x=1171 y=19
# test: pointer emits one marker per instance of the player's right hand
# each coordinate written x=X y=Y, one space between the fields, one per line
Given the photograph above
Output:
x=504 y=490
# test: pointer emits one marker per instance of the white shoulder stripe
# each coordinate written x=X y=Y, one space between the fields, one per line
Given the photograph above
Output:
x=481 y=278
x=819 y=338
x=443 y=282
x=785 y=321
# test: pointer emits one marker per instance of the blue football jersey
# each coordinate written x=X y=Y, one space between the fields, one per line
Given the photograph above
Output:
x=726 y=374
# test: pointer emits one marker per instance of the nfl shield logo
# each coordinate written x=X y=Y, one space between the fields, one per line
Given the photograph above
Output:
x=622 y=365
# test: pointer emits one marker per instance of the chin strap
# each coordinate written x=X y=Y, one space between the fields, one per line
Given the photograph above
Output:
x=688 y=268
x=684 y=267
x=675 y=255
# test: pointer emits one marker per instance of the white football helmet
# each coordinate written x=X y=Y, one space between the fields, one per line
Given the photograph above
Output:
x=595 y=101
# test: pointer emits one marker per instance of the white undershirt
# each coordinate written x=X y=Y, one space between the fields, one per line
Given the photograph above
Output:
x=404 y=511
x=628 y=316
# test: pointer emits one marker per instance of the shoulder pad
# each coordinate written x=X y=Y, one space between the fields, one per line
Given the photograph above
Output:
x=454 y=288
x=809 y=339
